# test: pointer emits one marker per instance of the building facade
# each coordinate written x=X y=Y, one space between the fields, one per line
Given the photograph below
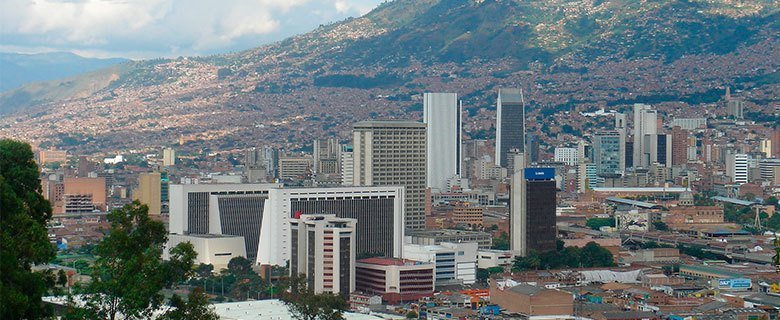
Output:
x=149 y=191
x=510 y=124
x=393 y=153
x=442 y=117
x=396 y=280
x=323 y=249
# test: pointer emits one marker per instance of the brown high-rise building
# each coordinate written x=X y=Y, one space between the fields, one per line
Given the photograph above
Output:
x=679 y=146
x=776 y=143
x=85 y=167
x=93 y=187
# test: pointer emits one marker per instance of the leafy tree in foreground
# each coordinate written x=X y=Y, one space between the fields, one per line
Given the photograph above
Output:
x=24 y=241
x=196 y=307
x=304 y=304
x=129 y=274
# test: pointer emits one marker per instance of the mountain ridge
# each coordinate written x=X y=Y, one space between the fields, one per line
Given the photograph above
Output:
x=353 y=69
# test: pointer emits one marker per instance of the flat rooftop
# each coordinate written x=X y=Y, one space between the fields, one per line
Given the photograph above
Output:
x=444 y=232
x=391 y=262
x=635 y=203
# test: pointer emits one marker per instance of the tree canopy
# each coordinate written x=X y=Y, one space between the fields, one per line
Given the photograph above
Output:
x=129 y=273
x=589 y=256
x=24 y=240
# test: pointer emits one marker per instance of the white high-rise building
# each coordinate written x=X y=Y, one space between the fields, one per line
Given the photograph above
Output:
x=442 y=116
x=323 y=249
x=645 y=131
x=737 y=168
x=569 y=156
x=347 y=166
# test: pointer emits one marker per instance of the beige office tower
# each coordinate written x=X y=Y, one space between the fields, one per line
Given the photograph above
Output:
x=326 y=156
x=392 y=153
x=169 y=157
x=149 y=191
x=323 y=250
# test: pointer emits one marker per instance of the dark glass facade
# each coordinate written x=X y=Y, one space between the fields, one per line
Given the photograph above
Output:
x=242 y=216
x=374 y=214
x=540 y=214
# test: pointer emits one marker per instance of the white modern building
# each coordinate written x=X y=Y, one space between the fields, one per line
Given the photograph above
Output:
x=455 y=263
x=489 y=258
x=737 y=168
x=442 y=116
x=261 y=214
x=645 y=131
x=213 y=249
x=379 y=212
x=323 y=249
x=569 y=156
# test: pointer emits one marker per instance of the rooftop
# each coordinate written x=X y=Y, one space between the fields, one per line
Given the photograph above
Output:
x=734 y=201
x=389 y=123
x=635 y=203
x=391 y=262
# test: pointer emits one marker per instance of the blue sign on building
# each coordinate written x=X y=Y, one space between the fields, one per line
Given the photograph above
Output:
x=539 y=173
x=734 y=283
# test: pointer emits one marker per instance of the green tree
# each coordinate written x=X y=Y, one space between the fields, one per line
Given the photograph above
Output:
x=62 y=278
x=502 y=242
x=204 y=270
x=597 y=223
x=594 y=255
x=196 y=307
x=129 y=274
x=529 y=262
x=304 y=304
x=24 y=240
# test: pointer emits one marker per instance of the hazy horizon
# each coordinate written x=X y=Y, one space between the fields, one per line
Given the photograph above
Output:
x=147 y=29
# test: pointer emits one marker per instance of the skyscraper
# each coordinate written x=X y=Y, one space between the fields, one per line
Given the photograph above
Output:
x=149 y=191
x=254 y=165
x=510 y=124
x=347 y=166
x=645 y=129
x=679 y=146
x=442 y=116
x=608 y=153
x=323 y=249
x=532 y=211
x=532 y=148
x=392 y=153
x=737 y=168
x=169 y=157
x=326 y=156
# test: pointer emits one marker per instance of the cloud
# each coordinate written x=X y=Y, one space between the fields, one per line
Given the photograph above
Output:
x=167 y=27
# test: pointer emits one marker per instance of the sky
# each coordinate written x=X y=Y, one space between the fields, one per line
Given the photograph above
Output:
x=143 y=29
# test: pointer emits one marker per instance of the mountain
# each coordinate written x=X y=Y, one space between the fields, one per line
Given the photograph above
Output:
x=566 y=54
x=20 y=69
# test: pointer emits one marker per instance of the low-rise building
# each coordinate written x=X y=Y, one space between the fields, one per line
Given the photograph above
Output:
x=489 y=258
x=531 y=300
x=213 y=249
x=396 y=280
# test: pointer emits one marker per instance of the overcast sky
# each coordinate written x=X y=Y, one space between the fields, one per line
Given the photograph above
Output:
x=162 y=28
